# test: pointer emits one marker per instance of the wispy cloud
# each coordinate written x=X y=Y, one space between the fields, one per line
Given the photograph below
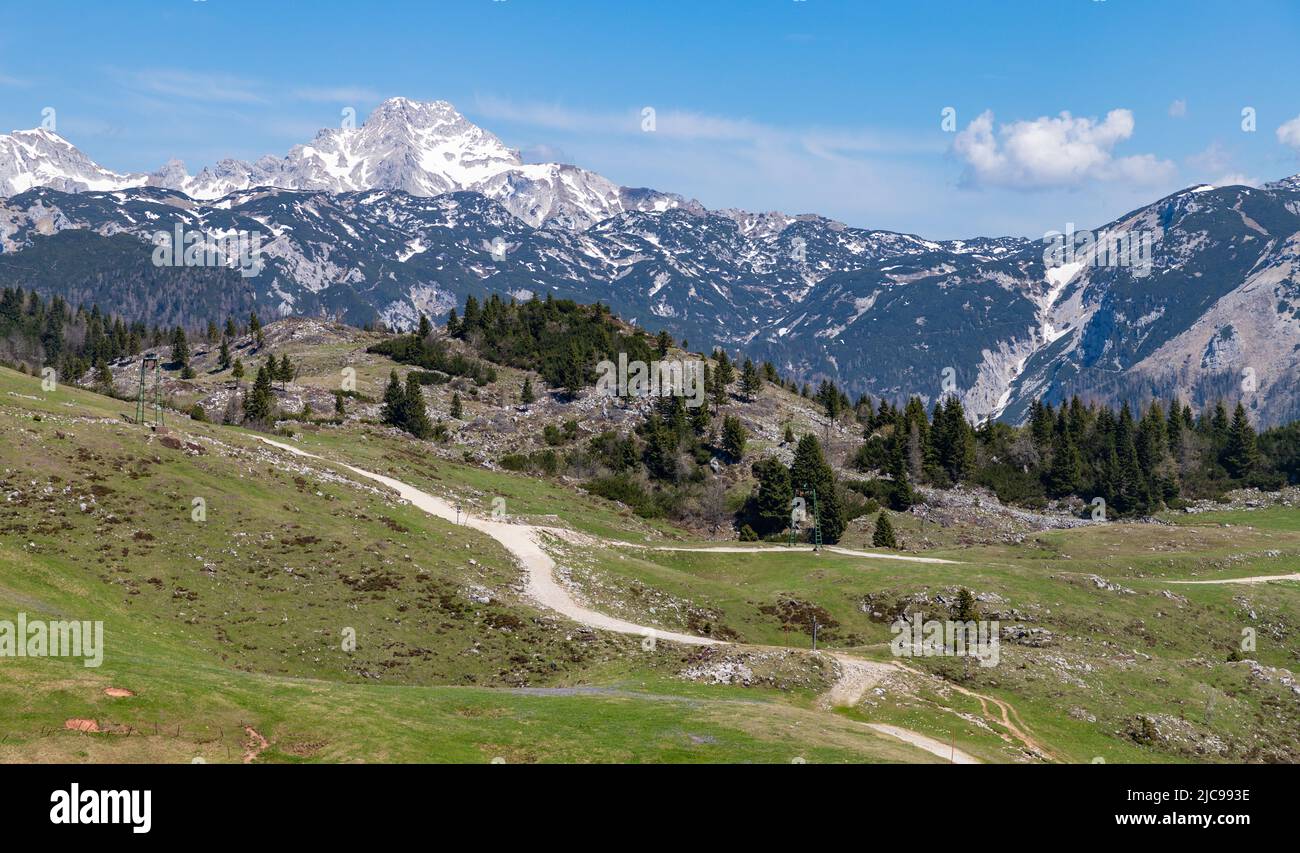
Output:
x=185 y=85
x=13 y=82
x=556 y=117
x=337 y=95
x=690 y=126
x=543 y=153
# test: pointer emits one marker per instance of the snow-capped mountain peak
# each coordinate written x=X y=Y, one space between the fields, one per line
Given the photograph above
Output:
x=42 y=158
x=425 y=148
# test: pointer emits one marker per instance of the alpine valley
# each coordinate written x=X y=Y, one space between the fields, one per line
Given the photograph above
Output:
x=417 y=208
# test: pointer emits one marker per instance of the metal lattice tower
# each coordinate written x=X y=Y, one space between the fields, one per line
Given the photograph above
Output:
x=148 y=361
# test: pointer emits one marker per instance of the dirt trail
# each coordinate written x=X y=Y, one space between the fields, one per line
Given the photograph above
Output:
x=769 y=549
x=1006 y=717
x=1255 y=579
x=857 y=676
x=929 y=744
x=522 y=541
x=256 y=744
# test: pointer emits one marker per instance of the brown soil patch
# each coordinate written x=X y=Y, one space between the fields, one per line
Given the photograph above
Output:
x=77 y=724
x=254 y=745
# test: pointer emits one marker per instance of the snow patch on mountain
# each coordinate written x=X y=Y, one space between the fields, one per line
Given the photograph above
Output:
x=989 y=394
x=422 y=148
x=42 y=158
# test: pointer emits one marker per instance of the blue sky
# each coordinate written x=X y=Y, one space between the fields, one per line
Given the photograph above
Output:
x=817 y=106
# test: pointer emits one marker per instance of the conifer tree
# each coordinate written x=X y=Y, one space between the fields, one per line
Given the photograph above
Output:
x=1066 y=471
x=734 y=437
x=573 y=371
x=104 y=376
x=259 y=402
x=472 y=317
x=700 y=419
x=726 y=373
x=286 y=369
x=883 y=535
x=1241 y=452
x=901 y=496
x=1041 y=424
x=771 y=502
x=180 y=347
x=457 y=411
x=393 y=410
x=1131 y=491
x=809 y=471
x=663 y=342
x=965 y=608
x=719 y=387
x=1219 y=426
x=1174 y=426
x=750 y=381
x=417 y=421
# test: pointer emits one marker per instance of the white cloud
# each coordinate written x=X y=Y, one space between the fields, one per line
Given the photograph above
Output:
x=1236 y=179
x=1217 y=160
x=1178 y=109
x=1289 y=133
x=1214 y=158
x=1061 y=151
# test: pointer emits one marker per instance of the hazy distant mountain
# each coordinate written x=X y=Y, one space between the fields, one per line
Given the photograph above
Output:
x=418 y=207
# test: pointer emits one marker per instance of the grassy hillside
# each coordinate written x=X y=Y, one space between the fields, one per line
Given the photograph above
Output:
x=239 y=619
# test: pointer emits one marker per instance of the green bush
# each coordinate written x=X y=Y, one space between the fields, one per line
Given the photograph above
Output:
x=625 y=490
x=514 y=462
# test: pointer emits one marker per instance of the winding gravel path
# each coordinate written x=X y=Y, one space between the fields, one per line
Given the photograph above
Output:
x=782 y=549
x=1255 y=579
x=522 y=541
